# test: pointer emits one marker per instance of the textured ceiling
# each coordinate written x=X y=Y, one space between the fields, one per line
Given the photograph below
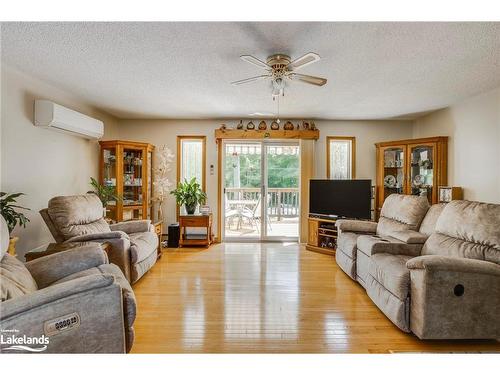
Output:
x=183 y=70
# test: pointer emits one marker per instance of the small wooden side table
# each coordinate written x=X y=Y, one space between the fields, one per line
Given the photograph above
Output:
x=195 y=221
x=54 y=248
x=158 y=225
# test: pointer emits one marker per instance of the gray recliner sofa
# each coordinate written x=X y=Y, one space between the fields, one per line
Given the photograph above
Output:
x=447 y=287
x=79 y=218
x=398 y=225
x=69 y=302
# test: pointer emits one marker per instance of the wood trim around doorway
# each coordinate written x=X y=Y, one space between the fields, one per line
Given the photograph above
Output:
x=203 y=139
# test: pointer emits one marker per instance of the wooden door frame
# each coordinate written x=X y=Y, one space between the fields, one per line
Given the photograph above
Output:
x=180 y=138
x=353 y=153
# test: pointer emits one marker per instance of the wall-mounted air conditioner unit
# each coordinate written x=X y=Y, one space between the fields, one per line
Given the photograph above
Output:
x=54 y=116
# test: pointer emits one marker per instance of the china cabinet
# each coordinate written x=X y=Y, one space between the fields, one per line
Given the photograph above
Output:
x=127 y=166
x=411 y=166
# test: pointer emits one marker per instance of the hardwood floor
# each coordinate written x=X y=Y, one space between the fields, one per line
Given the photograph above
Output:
x=265 y=298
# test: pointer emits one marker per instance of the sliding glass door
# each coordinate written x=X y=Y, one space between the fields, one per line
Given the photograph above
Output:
x=261 y=190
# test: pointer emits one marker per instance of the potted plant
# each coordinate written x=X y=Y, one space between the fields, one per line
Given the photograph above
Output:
x=104 y=192
x=9 y=210
x=189 y=194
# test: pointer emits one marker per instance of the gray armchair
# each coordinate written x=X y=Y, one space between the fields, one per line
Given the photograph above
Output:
x=79 y=218
x=71 y=302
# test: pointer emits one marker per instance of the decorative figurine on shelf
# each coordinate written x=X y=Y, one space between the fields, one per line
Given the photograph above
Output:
x=240 y=125
x=298 y=126
x=250 y=126
x=262 y=125
x=288 y=126
x=223 y=127
x=275 y=126
x=313 y=126
x=305 y=125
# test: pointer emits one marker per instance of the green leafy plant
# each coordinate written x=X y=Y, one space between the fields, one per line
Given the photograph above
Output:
x=105 y=193
x=8 y=208
x=189 y=193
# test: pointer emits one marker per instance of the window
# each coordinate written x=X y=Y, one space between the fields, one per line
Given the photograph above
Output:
x=340 y=158
x=191 y=158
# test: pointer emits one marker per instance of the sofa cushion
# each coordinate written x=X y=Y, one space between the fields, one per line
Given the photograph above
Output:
x=467 y=229
x=138 y=269
x=346 y=242
x=398 y=311
x=401 y=212
x=428 y=225
x=142 y=245
x=390 y=271
x=77 y=215
x=346 y=264
x=15 y=279
x=362 y=268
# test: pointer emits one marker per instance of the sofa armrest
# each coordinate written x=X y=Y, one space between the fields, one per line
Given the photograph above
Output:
x=92 y=304
x=98 y=237
x=53 y=293
x=454 y=298
x=432 y=263
x=410 y=236
x=371 y=245
x=51 y=268
x=132 y=226
x=356 y=226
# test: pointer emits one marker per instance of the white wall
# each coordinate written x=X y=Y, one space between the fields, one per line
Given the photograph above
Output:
x=367 y=133
x=39 y=162
x=159 y=132
x=473 y=127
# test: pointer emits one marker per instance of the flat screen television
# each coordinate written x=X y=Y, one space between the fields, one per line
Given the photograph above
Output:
x=342 y=198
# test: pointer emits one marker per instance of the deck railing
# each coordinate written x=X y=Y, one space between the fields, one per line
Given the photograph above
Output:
x=281 y=202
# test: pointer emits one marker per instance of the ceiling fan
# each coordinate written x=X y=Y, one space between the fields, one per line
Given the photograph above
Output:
x=280 y=68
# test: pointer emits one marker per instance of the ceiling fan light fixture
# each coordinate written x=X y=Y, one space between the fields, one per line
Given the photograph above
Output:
x=279 y=68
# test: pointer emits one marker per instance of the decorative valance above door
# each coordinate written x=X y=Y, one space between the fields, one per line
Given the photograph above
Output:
x=262 y=134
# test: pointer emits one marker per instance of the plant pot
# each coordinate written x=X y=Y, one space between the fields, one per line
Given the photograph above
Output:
x=12 y=245
x=190 y=209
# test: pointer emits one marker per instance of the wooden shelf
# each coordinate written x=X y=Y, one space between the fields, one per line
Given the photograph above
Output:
x=316 y=232
x=261 y=134
x=327 y=235
x=139 y=196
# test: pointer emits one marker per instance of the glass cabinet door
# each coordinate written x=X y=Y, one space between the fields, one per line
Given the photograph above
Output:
x=132 y=183
x=109 y=177
x=421 y=170
x=394 y=175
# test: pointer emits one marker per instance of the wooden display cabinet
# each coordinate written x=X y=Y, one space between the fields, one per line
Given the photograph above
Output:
x=127 y=166
x=411 y=166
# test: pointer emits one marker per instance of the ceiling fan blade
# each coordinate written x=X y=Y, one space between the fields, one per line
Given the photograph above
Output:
x=252 y=79
x=255 y=61
x=318 y=81
x=302 y=61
